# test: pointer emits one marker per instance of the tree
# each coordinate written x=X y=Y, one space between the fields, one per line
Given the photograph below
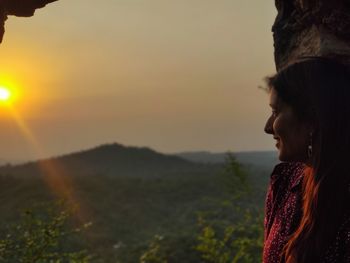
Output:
x=242 y=240
x=222 y=239
x=40 y=235
x=154 y=252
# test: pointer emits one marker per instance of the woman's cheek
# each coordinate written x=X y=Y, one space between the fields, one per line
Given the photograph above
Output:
x=276 y=126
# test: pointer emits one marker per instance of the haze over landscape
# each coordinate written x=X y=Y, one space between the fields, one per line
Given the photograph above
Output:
x=171 y=75
x=116 y=119
x=133 y=194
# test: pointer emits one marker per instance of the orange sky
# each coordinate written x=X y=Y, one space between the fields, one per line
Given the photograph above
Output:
x=172 y=75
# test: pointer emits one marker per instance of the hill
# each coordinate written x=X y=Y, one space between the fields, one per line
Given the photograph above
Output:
x=110 y=159
x=130 y=194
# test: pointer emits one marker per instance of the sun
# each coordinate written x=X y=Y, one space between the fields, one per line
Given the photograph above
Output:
x=5 y=94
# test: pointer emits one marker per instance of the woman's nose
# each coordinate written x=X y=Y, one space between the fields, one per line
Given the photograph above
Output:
x=268 y=126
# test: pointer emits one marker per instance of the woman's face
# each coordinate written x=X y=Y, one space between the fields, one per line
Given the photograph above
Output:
x=292 y=136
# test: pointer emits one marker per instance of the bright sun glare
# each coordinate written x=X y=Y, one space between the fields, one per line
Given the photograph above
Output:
x=5 y=94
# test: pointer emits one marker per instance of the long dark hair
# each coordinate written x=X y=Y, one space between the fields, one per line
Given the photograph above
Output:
x=318 y=90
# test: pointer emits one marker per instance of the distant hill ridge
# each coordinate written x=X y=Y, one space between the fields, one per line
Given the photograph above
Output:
x=118 y=160
x=118 y=152
x=258 y=158
x=110 y=159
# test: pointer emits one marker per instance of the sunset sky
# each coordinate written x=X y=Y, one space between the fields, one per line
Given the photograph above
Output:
x=175 y=76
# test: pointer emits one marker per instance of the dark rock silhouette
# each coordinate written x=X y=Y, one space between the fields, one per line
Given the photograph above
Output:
x=311 y=28
x=23 y=8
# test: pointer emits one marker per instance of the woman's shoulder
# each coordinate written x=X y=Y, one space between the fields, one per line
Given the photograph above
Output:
x=284 y=191
x=287 y=169
x=282 y=208
x=287 y=175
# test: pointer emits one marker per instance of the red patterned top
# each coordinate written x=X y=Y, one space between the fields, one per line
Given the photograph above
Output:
x=283 y=211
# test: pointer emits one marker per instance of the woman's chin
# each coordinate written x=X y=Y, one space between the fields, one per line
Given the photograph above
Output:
x=283 y=157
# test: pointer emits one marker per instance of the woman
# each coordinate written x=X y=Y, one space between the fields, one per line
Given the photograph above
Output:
x=307 y=216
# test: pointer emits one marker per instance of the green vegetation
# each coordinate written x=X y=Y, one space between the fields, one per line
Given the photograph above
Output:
x=221 y=240
x=238 y=241
x=155 y=253
x=42 y=235
x=174 y=211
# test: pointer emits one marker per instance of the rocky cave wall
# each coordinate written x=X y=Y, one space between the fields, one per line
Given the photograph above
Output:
x=23 y=8
x=311 y=28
